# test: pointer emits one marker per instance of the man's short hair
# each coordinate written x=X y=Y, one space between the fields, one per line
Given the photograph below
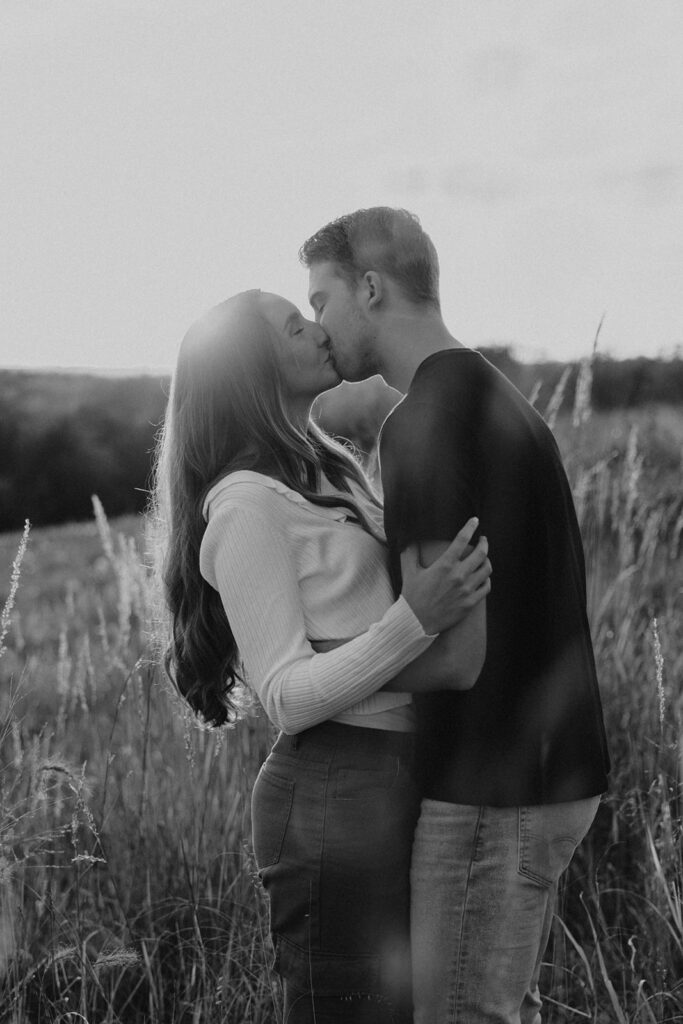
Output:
x=381 y=238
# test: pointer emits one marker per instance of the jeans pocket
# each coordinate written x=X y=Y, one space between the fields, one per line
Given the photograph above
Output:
x=546 y=843
x=271 y=806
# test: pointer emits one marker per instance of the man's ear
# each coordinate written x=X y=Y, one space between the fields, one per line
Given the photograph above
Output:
x=373 y=288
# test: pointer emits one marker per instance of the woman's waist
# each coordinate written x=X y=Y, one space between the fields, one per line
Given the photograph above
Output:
x=339 y=609
x=357 y=744
x=381 y=712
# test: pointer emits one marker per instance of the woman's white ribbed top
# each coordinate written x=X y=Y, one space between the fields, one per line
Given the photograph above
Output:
x=289 y=572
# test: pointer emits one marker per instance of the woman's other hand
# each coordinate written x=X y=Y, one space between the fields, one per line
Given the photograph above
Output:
x=442 y=593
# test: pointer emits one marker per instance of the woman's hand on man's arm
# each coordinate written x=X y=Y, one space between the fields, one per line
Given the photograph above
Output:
x=453 y=662
x=443 y=581
x=446 y=583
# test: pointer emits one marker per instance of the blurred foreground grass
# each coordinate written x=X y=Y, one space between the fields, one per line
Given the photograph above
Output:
x=128 y=891
x=127 y=884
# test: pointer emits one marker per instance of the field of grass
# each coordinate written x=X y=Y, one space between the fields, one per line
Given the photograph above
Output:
x=127 y=886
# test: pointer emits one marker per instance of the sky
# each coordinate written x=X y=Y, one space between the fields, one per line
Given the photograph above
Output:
x=157 y=157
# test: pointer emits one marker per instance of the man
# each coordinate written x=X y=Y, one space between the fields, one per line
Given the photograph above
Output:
x=512 y=768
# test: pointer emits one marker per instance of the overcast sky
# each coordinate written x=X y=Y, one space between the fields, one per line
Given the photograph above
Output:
x=159 y=156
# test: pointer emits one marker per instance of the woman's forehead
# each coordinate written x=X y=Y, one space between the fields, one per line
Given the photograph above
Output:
x=276 y=308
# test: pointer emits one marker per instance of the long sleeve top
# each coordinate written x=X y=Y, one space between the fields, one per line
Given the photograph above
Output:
x=290 y=572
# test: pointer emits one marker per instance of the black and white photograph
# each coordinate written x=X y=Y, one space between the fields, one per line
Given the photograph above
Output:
x=341 y=512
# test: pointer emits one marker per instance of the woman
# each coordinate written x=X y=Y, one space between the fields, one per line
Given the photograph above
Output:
x=275 y=548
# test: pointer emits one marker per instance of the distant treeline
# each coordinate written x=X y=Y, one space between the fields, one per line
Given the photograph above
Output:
x=66 y=436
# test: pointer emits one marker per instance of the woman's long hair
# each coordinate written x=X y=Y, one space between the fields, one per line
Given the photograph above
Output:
x=226 y=412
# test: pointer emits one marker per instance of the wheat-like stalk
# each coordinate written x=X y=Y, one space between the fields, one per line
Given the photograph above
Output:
x=5 y=617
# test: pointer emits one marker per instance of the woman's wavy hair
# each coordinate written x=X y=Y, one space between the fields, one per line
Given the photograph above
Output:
x=227 y=411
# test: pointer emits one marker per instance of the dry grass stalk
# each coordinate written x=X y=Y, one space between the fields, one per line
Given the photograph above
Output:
x=5 y=617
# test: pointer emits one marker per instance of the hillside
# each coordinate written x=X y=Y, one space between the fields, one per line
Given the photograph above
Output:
x=65 y=436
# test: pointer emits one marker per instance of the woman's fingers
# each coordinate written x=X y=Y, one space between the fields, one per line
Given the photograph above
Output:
x=479 y=575
x=481 y=586
x=476 y=557
x=477 y=567
x=441 y=593
x=459 y=560
x=410 y=559
x=458 y=553
x=461 y=541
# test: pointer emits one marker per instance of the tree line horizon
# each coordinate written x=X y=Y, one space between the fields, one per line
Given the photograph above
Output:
x=65 y=436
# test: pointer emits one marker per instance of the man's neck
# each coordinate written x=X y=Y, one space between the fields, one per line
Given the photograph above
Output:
x=407 y=342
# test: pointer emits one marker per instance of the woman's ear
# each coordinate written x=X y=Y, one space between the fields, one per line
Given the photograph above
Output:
x=373 y=288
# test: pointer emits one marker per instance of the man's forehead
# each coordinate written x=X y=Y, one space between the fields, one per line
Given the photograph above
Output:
x=322 y=277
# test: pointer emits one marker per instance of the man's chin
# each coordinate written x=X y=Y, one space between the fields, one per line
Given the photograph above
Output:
x=351 y=374
x=335 y=366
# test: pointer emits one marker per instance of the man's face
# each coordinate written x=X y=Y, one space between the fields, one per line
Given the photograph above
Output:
x=338 y=311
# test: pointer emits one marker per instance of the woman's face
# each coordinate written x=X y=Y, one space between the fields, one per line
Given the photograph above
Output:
x=302 y=348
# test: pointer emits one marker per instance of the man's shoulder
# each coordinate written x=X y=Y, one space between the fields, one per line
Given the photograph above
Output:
x=447 y=379
x=401 y=425
x=419 y=434
x=439 y=399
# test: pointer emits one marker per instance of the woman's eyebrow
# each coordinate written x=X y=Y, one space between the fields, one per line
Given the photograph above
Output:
x=294 y=315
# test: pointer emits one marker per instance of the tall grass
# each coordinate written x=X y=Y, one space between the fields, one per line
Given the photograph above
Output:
x=618 y=944
x=128 y=887
x=128 y=891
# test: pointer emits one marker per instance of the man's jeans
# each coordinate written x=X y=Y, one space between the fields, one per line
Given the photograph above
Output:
x=484 y=881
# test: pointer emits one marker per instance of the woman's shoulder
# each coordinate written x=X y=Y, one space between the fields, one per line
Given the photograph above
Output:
x=241 y=512
x=245 y=488
x=242 y=488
